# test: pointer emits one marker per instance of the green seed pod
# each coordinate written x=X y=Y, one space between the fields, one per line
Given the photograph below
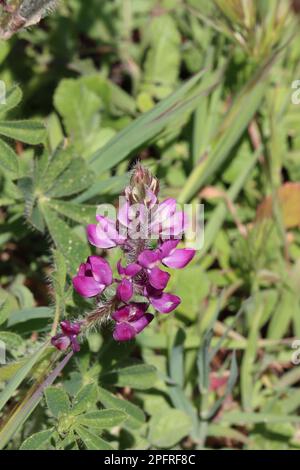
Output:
x=18 y=14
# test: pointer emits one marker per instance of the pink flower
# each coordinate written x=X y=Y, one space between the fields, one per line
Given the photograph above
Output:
x=125 y=287
x=130 y=320
x=93 y=277
x=68 y=337
x=105 y=234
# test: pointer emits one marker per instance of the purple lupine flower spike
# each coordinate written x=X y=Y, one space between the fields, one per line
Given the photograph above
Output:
x=148 y=232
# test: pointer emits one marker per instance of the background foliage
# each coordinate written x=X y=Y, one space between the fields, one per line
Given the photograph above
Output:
x=201 y=93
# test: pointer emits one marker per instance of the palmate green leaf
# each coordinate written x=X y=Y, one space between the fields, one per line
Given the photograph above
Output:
x=91 y=440
x=102 y=419
x=13 y=97
x=8 y=160
x=152 y=123
x=57 y=401
x=74 y=248
x=135 y=416
x=140 y=376
x=38 y=441
x=74 y=179
x=29 y=132
x=168 y=428
x=50 y=166
x=80 y=213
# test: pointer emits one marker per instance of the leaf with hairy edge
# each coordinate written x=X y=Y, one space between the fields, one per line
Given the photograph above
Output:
x=13 y=97
x=91 y=440
x=66 y=240
x=135 y=416
x=102 y=419
x=38 y=441
x=57 y=401
x=29 y=132
x=8 y=160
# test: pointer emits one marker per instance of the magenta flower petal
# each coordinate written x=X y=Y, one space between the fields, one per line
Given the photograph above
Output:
x=87 y=286
x=74 y=343
x=125 y=290
x=164 y=303
x=179 y=258
x=101 y=270
x=131 y=312
x=122 y=314
x=158 y=278
x=61 y=342
x=142 y=322
x=167 y=247
x=69 y=328
x=99 y=238
x=124 y=332
x=132 y=269
x=148 y=258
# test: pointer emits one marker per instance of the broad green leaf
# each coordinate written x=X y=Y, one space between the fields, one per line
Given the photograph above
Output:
x=8 y=304
x=91 y=440
x=13 y=96
x=27 y=314
x=102 y=419
x=79 y=107
x=140 y=376
x=11 y=340
x=163 y=57
x=8 y=160
x=85 y=399
x=38 y=441
x=169 y=428
x=135 y=416
x=57 y=401
x=30 y=132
